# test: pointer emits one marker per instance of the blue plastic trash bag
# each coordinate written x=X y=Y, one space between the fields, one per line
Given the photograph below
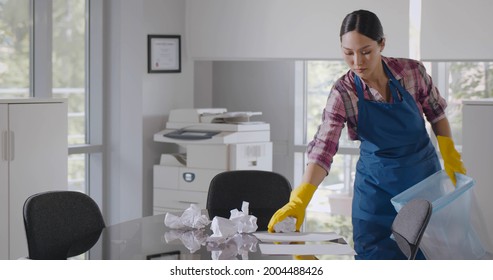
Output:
x=456 y=229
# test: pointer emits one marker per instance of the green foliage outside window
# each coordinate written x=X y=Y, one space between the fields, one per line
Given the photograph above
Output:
x=14 y=48
x=467 y=80
x=68 y=62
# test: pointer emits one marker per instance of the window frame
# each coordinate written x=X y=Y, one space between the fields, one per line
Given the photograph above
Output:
x=300 y=125
x=41 y=83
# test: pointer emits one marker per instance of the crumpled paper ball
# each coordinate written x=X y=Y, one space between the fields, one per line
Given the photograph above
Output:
x=191 y=218
x=239 y=222
x=286 y=225
x=228 y=238
x=244 y=223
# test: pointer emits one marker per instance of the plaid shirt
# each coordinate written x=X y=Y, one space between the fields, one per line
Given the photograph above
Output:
x=342 y=106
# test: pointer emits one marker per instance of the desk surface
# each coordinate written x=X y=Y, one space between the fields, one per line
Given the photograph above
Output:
x=149 y=238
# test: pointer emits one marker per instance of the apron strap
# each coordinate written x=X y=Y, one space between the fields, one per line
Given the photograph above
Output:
x=394 y=85
x=359 y=87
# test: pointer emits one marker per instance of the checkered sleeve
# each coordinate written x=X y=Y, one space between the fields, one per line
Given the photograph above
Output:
x=325 y=143
x=429 y=97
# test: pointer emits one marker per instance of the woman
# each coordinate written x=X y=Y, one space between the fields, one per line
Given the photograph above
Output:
x=383 y=101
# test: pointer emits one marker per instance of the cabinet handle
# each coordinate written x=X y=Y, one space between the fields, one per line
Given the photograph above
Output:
x=12 y=145
x=5 y=145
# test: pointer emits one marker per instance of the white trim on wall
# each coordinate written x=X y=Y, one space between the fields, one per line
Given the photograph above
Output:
x=454 y=30
x=284 y=29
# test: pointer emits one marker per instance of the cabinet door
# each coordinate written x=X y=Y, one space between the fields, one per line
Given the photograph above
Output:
x=4 y=181
x=39 y=160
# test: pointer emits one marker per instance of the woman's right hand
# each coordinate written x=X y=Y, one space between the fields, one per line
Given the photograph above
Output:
x=296 y=207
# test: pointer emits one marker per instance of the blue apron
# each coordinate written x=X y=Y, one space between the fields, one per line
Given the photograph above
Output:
x=395 y=154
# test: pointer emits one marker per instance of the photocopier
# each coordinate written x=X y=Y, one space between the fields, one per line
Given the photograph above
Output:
x=210 y=140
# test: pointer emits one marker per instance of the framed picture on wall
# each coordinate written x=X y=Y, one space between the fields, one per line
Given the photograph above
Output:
x=163 y=53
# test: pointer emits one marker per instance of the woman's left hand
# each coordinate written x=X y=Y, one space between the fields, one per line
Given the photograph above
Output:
x=451 y=158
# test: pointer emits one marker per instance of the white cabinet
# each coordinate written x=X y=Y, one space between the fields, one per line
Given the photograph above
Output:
x=175 y=188
x=477 y=153
x=34 y=153
x=177 y=185
x=4 y=190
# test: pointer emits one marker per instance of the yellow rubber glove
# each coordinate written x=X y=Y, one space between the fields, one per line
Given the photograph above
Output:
x=451 y=158
x=298 y=200
x=305 y=257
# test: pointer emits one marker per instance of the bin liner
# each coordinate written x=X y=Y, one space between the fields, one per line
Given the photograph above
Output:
x=456 y=223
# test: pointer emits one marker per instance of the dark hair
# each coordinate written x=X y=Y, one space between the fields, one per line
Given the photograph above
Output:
x=365 y=23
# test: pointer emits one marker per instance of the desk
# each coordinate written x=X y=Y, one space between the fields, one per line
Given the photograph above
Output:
x=146 y=238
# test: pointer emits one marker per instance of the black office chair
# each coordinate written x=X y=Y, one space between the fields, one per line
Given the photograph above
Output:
x=410 y=224
x=265 y=191
x=61 y=224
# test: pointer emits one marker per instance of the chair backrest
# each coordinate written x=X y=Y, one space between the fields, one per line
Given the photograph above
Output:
x=409 y=225
x=265 y=191
x=61 y=224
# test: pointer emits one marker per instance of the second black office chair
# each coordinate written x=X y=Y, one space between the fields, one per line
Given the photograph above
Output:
x=410 y=224
x=61 y=224
x=265 y=191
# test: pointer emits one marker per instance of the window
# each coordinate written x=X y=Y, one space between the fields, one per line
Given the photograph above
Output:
x=330 y=207
x=14 y=48
x=44 y=52
x=69 y=78
x=463 y=80
x=75 y=61
x=53 y=48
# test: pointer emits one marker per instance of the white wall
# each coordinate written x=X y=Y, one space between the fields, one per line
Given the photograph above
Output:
x=203 y=84
x=285 y=29
x=463 y=34
x=137 y=103
x=163 y=92
x=265 y=86
x=123 y=71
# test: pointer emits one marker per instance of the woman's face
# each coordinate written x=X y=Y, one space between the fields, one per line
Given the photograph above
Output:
x=361 y=54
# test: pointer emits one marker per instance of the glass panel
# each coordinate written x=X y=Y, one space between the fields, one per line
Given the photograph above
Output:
x=327 y=222
x=321 y=76
x=14 y=48
x=69 y=74
x=330 y=207
x=466 y=80
x=77 y=172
